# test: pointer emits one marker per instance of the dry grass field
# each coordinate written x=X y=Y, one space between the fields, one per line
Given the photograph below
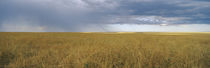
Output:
x=104 y=50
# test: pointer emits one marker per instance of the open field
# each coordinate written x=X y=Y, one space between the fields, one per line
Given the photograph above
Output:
x=104 y=50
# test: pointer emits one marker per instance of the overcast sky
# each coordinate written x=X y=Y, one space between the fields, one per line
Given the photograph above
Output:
x=104 y=15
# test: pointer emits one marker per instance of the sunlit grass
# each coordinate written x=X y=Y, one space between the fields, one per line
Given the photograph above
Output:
x=105 y=50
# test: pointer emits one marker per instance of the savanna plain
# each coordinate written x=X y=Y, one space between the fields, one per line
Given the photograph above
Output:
x=104 y=50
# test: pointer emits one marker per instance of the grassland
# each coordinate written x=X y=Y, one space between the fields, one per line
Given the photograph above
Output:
x=104 y=50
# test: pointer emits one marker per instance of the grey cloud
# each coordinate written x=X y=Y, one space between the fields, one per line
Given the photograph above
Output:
x=168 y=8
x=93 y=15
x=155 y=20
x=67 y=15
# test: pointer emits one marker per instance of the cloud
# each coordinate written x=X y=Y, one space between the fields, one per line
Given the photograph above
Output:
x=147 y=20
x=95 y=15
x=158 y=28
x=21 y=24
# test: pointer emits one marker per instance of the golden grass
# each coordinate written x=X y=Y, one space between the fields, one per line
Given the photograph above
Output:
x=104 y=50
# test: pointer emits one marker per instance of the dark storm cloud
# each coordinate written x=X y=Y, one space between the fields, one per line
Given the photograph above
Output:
x=93 y=15
x=195 y=11
x=50 y=14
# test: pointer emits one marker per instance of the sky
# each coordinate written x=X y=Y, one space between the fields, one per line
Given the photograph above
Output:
x=104 y=15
